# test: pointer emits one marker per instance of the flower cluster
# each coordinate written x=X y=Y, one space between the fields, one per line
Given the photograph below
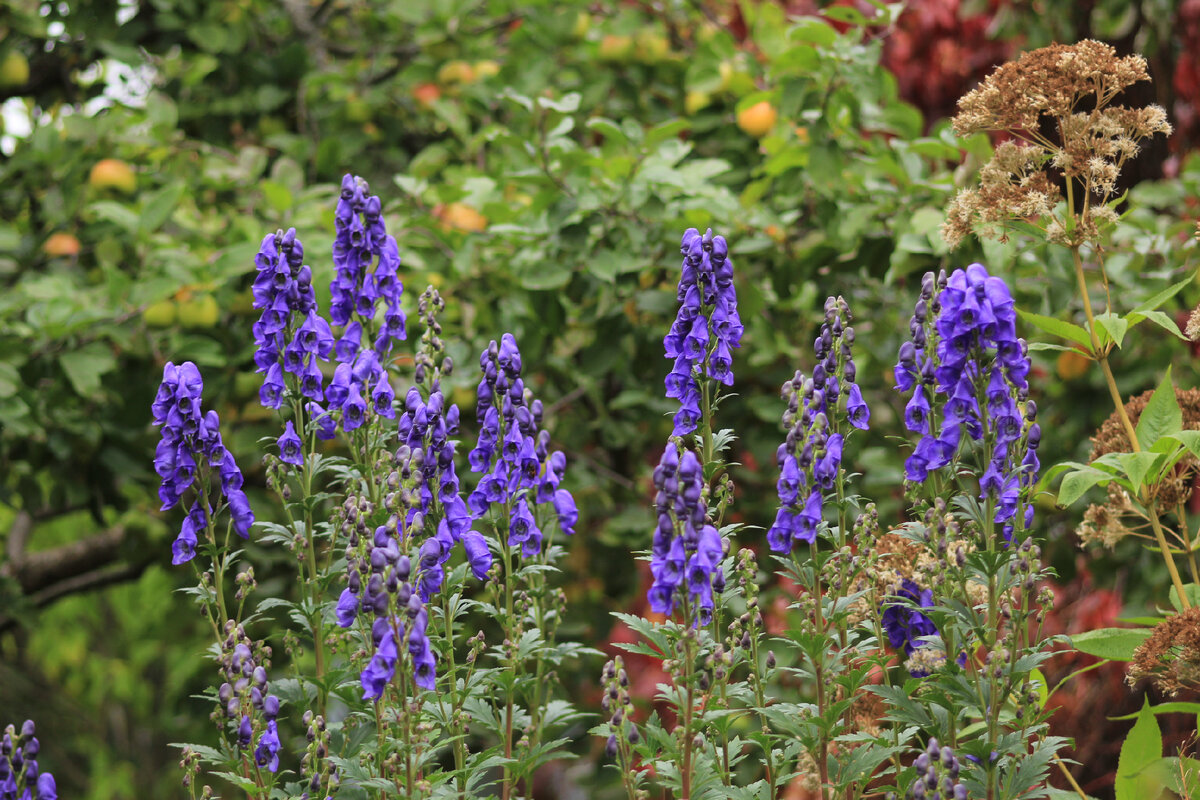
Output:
x=706 y=327
x=904 y=624
x=282 y=290
x=20 y=778
x=378 y=583
x=1089 y=150
x=513 y=451
x=245 y=695
x=190 y=446
x=966 y=364
x=361 y=238
x=686 y=554
x=937 y=775
x=811 y=455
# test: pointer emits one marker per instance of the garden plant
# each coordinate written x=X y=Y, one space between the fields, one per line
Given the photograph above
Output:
x=385 y=547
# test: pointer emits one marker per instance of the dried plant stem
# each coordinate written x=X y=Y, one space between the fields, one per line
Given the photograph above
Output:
x=1102 y=358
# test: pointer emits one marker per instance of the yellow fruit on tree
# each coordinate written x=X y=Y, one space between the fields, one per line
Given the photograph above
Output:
x=1071 y=365
x=61 y=244
x=582 y=23
x=652 y=47
x=199 y=311
x=696 y=100
x=486 y=69
x=160 y=314
x=14 y=70
x=615 y=47
x=758 y=120
x=455 y=72
x=460 y=216
x=112 y=173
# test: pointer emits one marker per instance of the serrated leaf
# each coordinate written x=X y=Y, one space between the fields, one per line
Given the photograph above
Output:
x=1114 y=326
x=1141 y=750
x=1175 y=707
x=1117 y=644
x=1162 y=416
x=1076 y=483
x=1158 y=318
x=1058 y=327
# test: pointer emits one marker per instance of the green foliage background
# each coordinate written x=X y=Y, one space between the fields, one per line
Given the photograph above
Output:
x=604 y=131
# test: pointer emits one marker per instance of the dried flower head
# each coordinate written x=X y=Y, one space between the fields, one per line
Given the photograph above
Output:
x=1103 y=523
x=1170 y=658
x=1088 y=148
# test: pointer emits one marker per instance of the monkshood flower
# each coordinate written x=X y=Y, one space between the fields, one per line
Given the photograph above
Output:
x=937 y=775
x=189 y=454
x=706 y=326
x=810 y=457
x=20 y=776
x=687 y=550
x=967 y=371
x=245 y=698
x=513 y=452
x=379 y=586
x=903 y=624
x=291 y=336
x=282 y=286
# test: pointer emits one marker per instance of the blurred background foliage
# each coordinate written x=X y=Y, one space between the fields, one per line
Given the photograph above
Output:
x=538 y=162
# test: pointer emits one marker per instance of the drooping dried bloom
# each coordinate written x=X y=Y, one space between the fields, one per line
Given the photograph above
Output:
x=1103 y=523
x=1087 y=149
x=1192 y=331
x=1170 y=658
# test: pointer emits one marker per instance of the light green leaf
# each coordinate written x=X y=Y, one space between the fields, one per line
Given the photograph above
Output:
x=1114 y=326
x=1076 y=483
x=569 y=103
x=1192 y=591
x=1162 y=416
x=84 y=367
x=1141 y=750
x=1158 y=318
x=1117 y=644
x=1176 y=707
x=159 y=207
x=1156 y=300
x=813 y=31
x=10 y=379
x=1137 y=465
x=1058 y=327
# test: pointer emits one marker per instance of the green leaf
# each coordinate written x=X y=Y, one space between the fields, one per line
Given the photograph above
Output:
x=1141 y=750
x=569 y=103
x=1076 y=483
x=1137 y=465
x=159 y=207
x=1189 y=439
x=813 y=31
x=1114 y=326
x=1162 y=416
x=10 y=379
x=1191 y=590
x=1117 y=644
x=1177 y=707
x=1058 y=327
x=666 y=130
x=84 y=367
x=1156 y=300
x=1158 y=318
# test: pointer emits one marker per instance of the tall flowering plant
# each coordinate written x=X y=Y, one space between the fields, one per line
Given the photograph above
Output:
x=914 y=643
x=392 y=552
